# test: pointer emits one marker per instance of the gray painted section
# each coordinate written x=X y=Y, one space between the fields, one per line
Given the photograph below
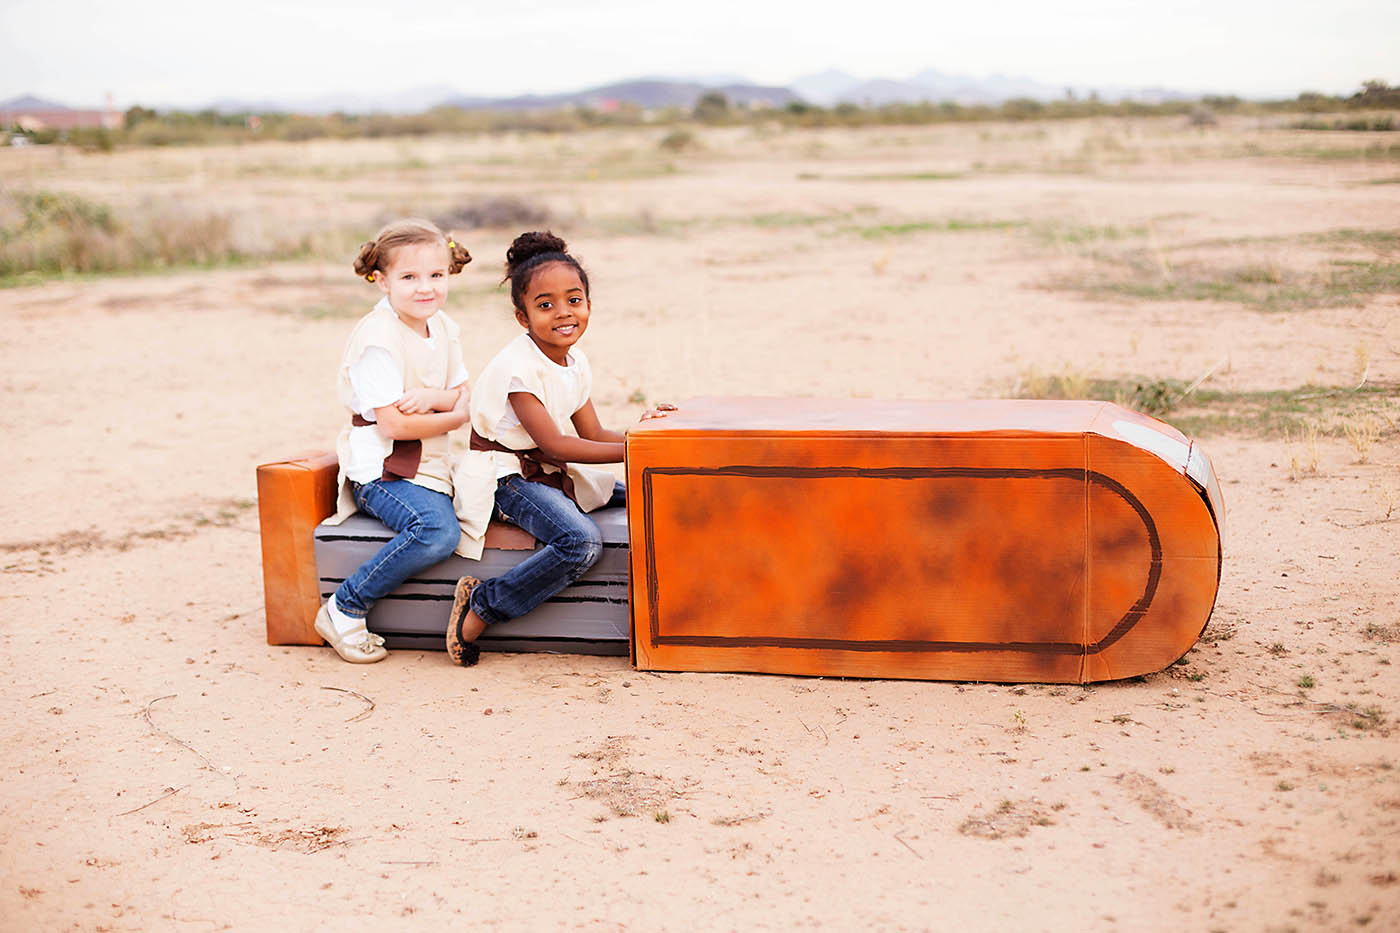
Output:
x=589 y=617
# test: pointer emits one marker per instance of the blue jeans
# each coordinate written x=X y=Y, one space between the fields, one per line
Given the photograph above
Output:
x=427 y=533
x=572 y=544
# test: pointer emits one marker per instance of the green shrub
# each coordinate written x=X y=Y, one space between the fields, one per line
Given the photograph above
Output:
x=678 y=141
x=505 y=211
x=48 y=233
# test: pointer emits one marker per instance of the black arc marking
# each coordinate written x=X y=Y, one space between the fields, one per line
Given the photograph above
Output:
x=1121 y=628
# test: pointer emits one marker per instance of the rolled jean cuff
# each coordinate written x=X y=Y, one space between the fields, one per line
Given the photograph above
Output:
x=344 y=594
x=483 y=612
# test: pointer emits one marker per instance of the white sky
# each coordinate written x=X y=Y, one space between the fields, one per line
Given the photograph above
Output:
x=191 y=52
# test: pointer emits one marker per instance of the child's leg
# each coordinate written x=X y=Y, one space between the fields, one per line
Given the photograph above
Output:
x=427 y=533
x=619 y=495
x=572 y=544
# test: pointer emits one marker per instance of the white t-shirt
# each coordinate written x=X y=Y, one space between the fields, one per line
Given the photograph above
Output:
x=377 y=381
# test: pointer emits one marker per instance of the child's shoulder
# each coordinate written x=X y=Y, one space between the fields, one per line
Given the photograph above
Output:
x=378 y=326
x=511 y=357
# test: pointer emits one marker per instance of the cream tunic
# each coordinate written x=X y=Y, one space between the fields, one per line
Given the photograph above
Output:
x=474 y=481
x=425 y=364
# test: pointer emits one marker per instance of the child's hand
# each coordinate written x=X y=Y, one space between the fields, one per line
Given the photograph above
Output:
x=660 y=411
x=417 y=401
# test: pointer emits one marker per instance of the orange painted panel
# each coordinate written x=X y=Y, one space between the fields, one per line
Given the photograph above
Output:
x=936 y=540
x=294 y=496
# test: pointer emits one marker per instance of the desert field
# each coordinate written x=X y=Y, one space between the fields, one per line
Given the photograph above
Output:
x=167 y=769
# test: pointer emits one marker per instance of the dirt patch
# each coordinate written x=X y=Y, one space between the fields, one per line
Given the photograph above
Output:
x=1154 y=800
x=1010 y=819
x=300 y=839
x=624 y=791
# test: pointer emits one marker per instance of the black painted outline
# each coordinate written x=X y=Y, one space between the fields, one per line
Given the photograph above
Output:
x=1121 y=628
x=426 y=581
x=383 y=538
x=448 y=597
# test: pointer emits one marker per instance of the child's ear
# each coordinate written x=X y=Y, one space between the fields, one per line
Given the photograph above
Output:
x=523 y=318
x=382 y=281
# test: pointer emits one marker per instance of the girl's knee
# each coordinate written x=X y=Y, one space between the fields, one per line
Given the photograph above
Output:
x=442 y=541
x=438 y=534
x=581 y=547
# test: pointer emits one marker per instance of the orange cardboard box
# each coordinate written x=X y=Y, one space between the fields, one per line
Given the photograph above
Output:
x=1014 y=541
x=294 y=496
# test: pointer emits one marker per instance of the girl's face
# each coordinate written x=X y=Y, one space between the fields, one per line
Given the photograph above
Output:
x=416 y=283
x=556 y=310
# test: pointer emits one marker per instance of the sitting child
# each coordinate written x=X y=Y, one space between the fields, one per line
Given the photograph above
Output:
x=533 y=429
x=404 y=382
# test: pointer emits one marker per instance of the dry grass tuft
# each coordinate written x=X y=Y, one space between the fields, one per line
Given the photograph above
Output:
x=1069 y=383
x=1361 y=433
x=46 y=233
x=493 y=213
x=1303 y=453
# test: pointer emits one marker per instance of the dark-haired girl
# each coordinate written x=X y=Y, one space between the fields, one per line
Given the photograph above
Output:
x=405 y=385
x=534 y=430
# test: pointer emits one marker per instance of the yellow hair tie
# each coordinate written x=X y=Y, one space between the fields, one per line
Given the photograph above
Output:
x=451 y=244
x=369 y=277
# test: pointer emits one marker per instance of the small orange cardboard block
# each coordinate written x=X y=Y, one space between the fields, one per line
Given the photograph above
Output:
x=294 y=495
x=989 y=540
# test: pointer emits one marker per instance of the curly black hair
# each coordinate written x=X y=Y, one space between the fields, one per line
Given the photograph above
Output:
x=528 y=253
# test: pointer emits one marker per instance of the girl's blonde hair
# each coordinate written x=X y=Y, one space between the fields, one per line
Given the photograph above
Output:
x=378 y=253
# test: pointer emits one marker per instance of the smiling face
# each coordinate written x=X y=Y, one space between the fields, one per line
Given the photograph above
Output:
x=416 y=283
x=556 y=310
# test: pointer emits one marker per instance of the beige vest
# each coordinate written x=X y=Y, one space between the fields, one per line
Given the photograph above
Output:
x=423 y=366
x=474 y=481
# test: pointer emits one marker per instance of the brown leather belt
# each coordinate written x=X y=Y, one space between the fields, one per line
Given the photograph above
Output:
x=403 y=460
x=532 y=463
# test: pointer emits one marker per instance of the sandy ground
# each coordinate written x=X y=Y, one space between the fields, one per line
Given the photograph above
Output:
x=166 y=769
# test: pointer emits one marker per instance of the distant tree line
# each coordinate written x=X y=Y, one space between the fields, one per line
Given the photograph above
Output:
x=147 y=127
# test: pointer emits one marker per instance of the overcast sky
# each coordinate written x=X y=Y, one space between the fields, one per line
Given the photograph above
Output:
x=187 y=52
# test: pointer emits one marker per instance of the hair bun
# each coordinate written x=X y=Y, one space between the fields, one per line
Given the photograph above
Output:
x=368 y=258
x=457 y=255
x=528 y=245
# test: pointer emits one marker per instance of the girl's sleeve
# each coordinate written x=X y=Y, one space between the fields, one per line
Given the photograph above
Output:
x=585 y=379
x=376 y=381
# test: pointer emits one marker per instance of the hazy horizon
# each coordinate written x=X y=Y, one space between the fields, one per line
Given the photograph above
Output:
x=163 y=54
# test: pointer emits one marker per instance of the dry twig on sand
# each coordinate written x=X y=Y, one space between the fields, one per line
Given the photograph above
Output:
x=900 y=840
x=208 y=765
x=363 y=713
x=169 y=792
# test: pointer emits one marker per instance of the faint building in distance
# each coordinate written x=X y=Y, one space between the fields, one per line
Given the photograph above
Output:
x=35 y=115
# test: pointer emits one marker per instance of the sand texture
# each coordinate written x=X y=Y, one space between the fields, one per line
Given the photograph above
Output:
x=166 y=769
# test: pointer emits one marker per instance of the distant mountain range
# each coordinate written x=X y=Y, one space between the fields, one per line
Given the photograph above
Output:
x=647 y=93
x=837 y=87
x=824 y=88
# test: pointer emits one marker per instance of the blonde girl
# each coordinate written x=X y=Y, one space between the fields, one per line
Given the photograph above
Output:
x=404 y=383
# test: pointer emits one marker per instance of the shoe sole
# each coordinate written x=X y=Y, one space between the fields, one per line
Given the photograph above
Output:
x=465 y=653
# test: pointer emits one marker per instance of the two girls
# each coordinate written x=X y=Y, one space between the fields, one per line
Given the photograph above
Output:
x=534 y=431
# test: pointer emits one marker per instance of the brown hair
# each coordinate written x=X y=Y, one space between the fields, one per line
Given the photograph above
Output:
x=379 y=252
x=528 y=253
